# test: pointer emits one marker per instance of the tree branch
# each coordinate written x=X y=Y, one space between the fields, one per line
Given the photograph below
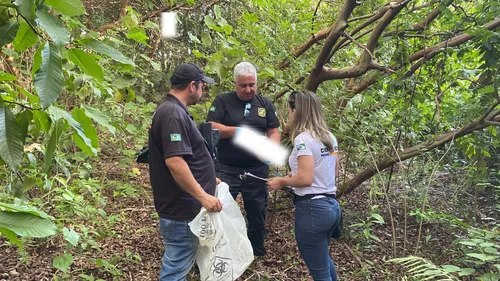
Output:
x=423 y=56
x=365 y=62
x=21 y=105
x=297 y=81
x=415 y=151
x=339 y=27
x=421 y=25
x=320 y=35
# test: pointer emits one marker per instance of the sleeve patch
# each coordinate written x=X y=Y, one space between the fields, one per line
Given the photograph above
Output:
x=175 y=137
x=300 y=146
x=212 y=108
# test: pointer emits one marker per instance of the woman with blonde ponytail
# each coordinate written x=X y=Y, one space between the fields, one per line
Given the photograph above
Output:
x=314 y=164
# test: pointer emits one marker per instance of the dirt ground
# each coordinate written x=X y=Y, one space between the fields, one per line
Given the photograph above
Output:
x=137 y=247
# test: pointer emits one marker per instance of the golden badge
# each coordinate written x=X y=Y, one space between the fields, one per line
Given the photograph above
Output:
x=261 y=111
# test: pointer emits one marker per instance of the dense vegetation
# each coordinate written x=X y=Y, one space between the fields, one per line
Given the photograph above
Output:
x=410 y=87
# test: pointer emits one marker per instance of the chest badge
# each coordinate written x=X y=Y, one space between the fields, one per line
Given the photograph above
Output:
x=261 y=111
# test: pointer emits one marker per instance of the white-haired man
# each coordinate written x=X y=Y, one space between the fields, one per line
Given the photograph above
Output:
x=243 y=107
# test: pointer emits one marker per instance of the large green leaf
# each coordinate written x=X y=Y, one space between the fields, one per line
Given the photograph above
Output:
x=81 y=140
x=67 y=7
x=11 y=235
x=138 y=35
x=11 y=145
x=8 y=31
x=51 y=145
x=37 y=59
x=49 y=78
x=100 y=117
x=25 y=38
x=87 y=125
x=24 y=209
x=23 y=121
x=53 y=26
x=124 y=81
x=27 y=9
x=63 y=262
x=6 y=76
x=26 y=224
x=71 y=236
x=86 y=63
x=106 y=50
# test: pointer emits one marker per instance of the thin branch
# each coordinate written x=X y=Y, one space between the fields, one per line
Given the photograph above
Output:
x=22 y=105
x=339 y=27
x=495 y=88
x=358 y=44
x=489 y=111
x=342 y=43
x=320 y=35
x=423 y=56
x=314 y=15
x=415 y=151
x=297 y=81
x=30 y=25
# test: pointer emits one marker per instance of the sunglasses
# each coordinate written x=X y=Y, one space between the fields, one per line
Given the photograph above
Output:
x=291 y=99
x=247 y=110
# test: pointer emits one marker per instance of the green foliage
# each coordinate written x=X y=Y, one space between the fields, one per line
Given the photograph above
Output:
x=11 y=149
x=49 y=77
x=71 y=97
x=8 y=32
x=67 y=7
x=29 y=223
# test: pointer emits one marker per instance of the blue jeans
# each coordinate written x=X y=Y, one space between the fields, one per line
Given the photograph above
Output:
x=180 y=248
x=315 y=220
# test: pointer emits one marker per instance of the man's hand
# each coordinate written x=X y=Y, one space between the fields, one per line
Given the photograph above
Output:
x=211 y=203
x=217 y=181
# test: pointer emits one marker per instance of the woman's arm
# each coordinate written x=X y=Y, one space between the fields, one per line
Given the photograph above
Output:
x=303 y=178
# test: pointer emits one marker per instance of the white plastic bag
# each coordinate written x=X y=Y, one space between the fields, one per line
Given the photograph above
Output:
x=224 y=252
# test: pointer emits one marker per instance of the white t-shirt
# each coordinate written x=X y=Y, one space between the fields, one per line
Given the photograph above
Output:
x=324 y=163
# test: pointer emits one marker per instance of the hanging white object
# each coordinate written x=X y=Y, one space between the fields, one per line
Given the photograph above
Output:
x=169 y=24
x=224 y=252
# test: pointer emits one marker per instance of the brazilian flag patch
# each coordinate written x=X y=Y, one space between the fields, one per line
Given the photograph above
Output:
x=301 y=146
x=175 y=137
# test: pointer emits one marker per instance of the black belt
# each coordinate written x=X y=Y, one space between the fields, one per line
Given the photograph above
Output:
x=297 y=198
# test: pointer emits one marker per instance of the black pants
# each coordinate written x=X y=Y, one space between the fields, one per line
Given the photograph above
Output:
x=255 y=197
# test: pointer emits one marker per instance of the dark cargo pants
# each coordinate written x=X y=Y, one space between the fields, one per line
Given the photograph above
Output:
x=255 y=198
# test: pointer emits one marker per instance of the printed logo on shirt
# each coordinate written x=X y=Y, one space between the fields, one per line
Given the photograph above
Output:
x=300 y=146
x=325 y=152
x=212 y=108
x=261 y=111
x=175 y=137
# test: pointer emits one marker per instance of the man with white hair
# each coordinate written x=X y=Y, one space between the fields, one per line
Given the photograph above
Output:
x=229 y=111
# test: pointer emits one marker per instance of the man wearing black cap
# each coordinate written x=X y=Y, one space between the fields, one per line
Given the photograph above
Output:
x=181 y=171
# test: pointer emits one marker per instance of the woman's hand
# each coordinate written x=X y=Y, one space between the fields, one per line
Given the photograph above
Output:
x=275 y=183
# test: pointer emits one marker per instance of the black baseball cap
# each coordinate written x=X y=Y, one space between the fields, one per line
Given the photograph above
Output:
x=187 y=72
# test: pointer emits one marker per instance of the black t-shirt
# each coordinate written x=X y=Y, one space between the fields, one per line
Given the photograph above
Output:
x=229 y=110
x=174 y=133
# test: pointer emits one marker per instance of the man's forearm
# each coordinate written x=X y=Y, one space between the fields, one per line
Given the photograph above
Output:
x=225 y=131
x=274 y=135
x=183 y=176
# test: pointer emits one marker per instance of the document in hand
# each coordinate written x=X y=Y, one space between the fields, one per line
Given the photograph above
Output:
x=224 y=252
